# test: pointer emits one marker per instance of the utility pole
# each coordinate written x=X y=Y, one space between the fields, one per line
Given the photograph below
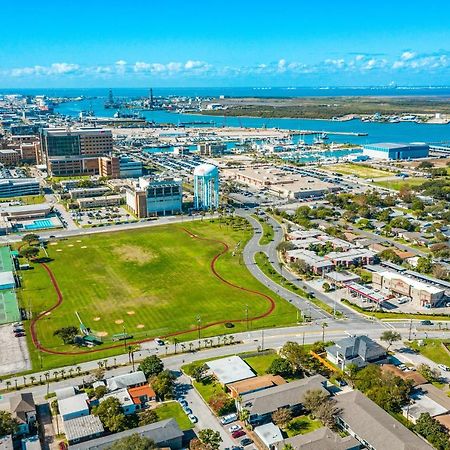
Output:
x=262 y=340
x=199 y=320
x=246 y=315
x=410 y=329
x=303 y=340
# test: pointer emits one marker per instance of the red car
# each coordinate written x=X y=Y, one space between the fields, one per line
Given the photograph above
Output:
x=238 y=434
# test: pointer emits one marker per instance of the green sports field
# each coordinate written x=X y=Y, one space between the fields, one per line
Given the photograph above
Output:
x=153 y=282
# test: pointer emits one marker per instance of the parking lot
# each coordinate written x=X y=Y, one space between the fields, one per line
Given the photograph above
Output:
x=104 y=215
x=14 y=355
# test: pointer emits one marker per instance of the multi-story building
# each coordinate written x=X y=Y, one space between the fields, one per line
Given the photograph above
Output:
x=75 y=152
x=9 y=157
x=120 y=167
x=211 y=148
x=17 y=187
x=155 y=196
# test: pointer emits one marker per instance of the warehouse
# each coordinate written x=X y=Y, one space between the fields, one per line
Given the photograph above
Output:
x=392 y=151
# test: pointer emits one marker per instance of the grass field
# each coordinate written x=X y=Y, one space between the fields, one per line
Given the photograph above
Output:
x=302 y=425
x=26 y=199
x=358 y=170
x=397 y=184
x=261 y=363
x=153 y=282
x=434 y=350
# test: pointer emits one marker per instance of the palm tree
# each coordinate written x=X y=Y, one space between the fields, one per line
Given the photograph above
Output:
x=78 y=369
x=191 y=345
x=33 y=379
x=55 y=374
x=24 y=380
x=105 y=362
x=8 y=384
x=324 y=325
x=183 y=347
x=63 y=373
x=175 y=343
x=100 y=364
x=15 y=382
x=225 y=340
x=40 y=378
x=231 y=338
x=115 y=362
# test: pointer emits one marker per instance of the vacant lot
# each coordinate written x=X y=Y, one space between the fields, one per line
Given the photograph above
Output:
x=358 y=171
x=152 y=282
x=397 y=184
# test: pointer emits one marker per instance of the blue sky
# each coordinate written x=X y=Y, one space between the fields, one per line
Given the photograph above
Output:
x=224 y=43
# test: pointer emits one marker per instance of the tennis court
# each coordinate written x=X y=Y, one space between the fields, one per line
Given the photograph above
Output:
x=9 y=309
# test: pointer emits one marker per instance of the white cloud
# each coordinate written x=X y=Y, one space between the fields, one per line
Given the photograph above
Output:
x=406 y=56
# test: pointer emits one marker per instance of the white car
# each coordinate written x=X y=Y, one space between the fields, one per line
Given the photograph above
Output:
x=444 y=367
x=234 y=428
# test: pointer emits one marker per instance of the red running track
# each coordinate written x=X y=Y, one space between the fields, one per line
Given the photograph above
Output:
x=225 y=248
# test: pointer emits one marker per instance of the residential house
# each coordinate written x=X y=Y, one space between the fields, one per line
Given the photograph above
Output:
x=268 y=435
x=321 y=439
x=262 y=404
x=142 y=396
x=165 y=434
x=230 y=369
x=128 y=380
x=126 y=402
x=254 y=384
x=23 y=409
x=412 y=376
x=75 y=406
x=359 y=350
x=83 y=429
x=373 y=426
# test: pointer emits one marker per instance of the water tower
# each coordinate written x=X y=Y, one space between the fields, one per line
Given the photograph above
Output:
x=206 y=187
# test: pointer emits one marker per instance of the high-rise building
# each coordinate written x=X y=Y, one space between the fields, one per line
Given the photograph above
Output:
x=206 y=187
x=212 y=148
x=75 y=152
x=155 y=196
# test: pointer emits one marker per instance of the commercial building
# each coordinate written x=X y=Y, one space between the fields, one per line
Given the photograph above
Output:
x=281 y=183
x=392 y=151
x=75 y=151
x=155 y=196
x=371 y=425
x=212 y=148
x=88 y=192
x=120 y=167
x=206 y=187
x=18 y=187
x=9 y=157
x=98 y=202
x=422 y=294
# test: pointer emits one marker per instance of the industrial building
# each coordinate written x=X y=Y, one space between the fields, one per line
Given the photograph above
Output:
x=421 y=294
x=392 y=151
x=75 y=151
x=206 y=187
x=281 y=183
x=18 y=187
x=155 y=196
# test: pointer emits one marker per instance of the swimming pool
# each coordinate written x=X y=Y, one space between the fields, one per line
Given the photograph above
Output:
x=39 y=224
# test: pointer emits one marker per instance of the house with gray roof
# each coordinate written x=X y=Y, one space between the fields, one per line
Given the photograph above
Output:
x=23 y=409
x=359 y=350
x=321 y=439
x=165 y=433
x=83 y=428
x=127 y=380
x=373 y=426
x=262 y=404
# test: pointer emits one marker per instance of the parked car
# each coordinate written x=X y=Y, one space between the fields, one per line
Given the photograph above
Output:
x=187 y=410
x=246 y=441
x=234 y=428
x=182 y=402
x=159 y=342
x=426 y=322
x=444 y=367
x=17 y=335
x=238 y=434
x=192 y=418
x=225 y=420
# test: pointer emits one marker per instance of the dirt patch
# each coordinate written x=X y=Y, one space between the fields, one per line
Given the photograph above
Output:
x=53 y=243
x=59 y=250
x=135 y=254
x=70 y=245
x=83 y=246
x=140 y=325
x=119 y=321
x=96 y=319
x=102 y=333
x=130 y=313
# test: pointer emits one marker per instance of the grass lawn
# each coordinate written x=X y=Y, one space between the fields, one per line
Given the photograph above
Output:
x=26 y=199
x=400 y=182
x=173 y=410
x=302 y=425
x=267 y=231
x=434 y=350
x=260 y=363
x=358 y=170
x=208 y=390
x=152 y=281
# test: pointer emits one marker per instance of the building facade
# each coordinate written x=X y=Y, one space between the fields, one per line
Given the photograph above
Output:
x=17 y=187
x=212 y=148
x=75 y=152
x=392 y=151
x=155 y=196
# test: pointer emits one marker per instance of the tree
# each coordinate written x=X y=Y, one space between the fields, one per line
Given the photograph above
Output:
x=29 y=252
x=434 y=432
x=324 y=325
x=135 y=441
x=210 y=438
x=282 y=417
x=288 y=447
x=244 y=415
x=390 y=255
x=390 y=337
x=428 y=373
x=31 y=239
x=147 y=417
x=98 y=374
x=8 y=424
x=199 y=372
x=163 y=384
x=67 y=334
x=222 y=404
x=321 y=406
x=326 y=287
x=151 y=366
x=294 y=353
x=424 y=265
x=111 y=415
x=100 y=391
x=313 y=399
x=280 y=366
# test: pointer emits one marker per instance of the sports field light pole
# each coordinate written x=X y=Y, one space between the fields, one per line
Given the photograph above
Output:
x=246 y=315
x=199 y=321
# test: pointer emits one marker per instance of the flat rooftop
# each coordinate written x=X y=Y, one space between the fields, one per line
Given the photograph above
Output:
x=230 y=369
